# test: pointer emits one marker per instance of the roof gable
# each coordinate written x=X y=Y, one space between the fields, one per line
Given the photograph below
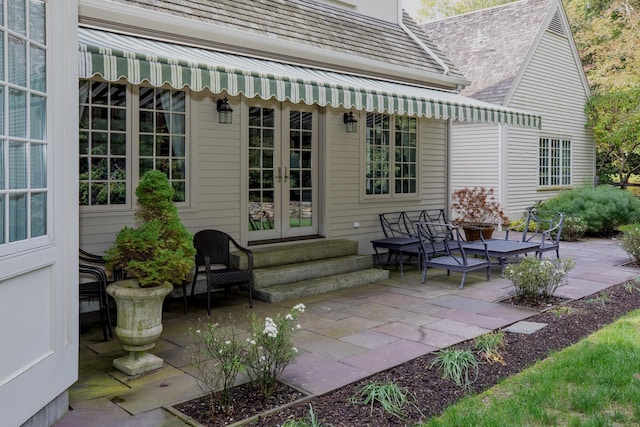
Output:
x=491 y=46
x=312 y=23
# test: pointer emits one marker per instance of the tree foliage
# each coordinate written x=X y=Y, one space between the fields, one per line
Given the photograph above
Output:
x=615 y=118
x=432 y=10
x=607 y=34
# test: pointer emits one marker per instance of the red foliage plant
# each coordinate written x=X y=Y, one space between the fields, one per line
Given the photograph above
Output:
x=477 y=206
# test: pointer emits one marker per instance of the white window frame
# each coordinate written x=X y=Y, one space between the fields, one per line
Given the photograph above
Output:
x=133 y=148
x=392 y=161
x=554 y=162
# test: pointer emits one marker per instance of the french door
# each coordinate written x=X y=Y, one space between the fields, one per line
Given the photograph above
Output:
x=282 y=193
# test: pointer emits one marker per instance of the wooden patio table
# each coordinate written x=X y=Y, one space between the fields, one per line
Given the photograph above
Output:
x=501 y=249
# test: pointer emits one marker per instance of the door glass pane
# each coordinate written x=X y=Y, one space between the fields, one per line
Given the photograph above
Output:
x=37 y=21
x=18 y=16
x=18 y=160
x=2 y=170
x=38 y=69
x=38 y=214
x=300 y=182
x=262 y=173
x=1 y=51
x=17 y=113
x=17 y=61
x=38 y=117
x=17 y=217
x=3 y=221
x=38 y=166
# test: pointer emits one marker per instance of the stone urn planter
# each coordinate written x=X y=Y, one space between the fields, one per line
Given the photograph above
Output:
x=139 y=324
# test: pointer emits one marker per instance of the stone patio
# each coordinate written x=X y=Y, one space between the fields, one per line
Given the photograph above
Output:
x=346 y=335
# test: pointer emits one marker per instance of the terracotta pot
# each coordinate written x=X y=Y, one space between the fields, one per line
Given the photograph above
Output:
x=473 y=232
x=139 y=324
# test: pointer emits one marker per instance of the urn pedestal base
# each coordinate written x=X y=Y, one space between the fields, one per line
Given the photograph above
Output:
x=136 y=363
x=139 y=324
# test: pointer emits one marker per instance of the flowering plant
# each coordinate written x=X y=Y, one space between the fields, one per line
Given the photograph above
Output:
x=217 y=354
x=536 y=279
x=271 y=348
x=478 y=206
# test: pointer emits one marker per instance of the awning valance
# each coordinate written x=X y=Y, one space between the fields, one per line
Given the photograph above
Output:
x=115 y=56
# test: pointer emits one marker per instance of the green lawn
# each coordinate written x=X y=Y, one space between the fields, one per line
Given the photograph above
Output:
x=595 y=382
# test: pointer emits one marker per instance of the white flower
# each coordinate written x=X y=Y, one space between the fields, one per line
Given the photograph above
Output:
x=288 y=317
x=298 y=326
x=227 y=342
x=299 y=307
x=198 y=331
x=295 y=350
x=252 y=342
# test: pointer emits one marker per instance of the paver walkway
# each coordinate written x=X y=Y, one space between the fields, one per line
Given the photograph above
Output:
x=346 y=335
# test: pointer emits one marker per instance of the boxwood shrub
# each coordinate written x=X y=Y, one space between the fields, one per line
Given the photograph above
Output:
x=604 y=208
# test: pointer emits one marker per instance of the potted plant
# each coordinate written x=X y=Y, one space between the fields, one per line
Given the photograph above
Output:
x=478 y=212
x=153 y=257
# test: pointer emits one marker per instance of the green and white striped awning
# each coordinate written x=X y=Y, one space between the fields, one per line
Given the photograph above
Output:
x=115 y=56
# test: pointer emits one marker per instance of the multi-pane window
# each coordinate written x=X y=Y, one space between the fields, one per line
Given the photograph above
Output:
x=391 y=155
x=162 y=138
x=554 y=165
x=106 y=136
x=23 y=113
x=103 y=143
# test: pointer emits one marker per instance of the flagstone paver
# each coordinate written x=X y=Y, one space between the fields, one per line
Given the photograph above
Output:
x=346 y=335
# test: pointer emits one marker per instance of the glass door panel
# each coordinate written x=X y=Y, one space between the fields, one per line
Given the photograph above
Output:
x=282 y=198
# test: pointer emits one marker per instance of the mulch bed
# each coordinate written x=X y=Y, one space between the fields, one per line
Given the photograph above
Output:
x=432 y=393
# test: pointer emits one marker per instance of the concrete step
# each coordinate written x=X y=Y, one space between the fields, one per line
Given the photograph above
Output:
x=320 y=285
x=300 y=252
x=282 y=274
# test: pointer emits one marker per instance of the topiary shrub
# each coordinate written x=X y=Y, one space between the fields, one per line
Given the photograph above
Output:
x=604 y=208
x=161 y=249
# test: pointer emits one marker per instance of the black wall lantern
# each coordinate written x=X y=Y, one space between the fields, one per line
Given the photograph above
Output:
x=224 y=111
x=351 y=122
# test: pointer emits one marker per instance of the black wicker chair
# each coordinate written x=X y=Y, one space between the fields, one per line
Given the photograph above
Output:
x=91 y=268
x=213 y=258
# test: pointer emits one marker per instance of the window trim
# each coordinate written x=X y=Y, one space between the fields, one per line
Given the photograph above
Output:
x=561 y=168
x=392 y=194
x=132 y=147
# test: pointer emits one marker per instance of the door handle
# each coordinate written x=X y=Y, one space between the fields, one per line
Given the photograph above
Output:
x=279 y=175
x=285 y=174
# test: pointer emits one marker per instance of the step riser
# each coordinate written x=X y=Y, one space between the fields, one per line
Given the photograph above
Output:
x=300 y=252
x=273 y=276
x=320 y=286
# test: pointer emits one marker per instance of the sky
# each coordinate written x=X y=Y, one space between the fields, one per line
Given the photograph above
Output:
x=411 y=6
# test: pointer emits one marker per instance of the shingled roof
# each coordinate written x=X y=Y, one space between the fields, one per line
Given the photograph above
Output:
x=312 y=23
x=490 y=46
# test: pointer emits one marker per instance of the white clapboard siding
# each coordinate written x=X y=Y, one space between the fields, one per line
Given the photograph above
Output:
x=551 y=86
x=345 y=199
x=475 y=153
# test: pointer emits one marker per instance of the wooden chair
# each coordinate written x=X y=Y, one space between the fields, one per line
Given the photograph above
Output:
x=547 y=227
x=441 y=246
x=213 y=258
